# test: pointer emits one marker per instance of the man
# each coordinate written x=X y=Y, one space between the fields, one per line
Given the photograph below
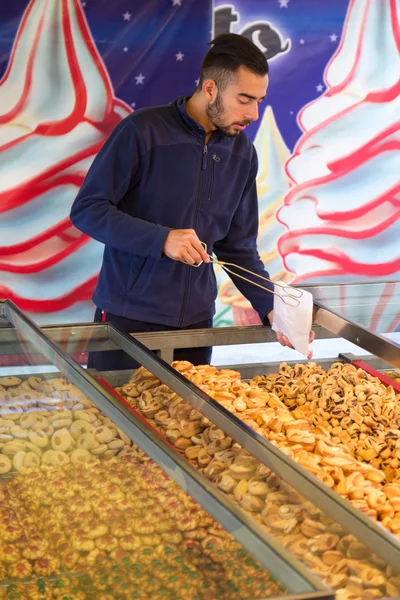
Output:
x=167 y=179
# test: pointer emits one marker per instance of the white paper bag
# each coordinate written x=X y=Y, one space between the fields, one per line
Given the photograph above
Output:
x=293 y=309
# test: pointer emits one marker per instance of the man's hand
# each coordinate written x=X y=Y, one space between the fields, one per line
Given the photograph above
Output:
x=284 y=340
x=185 y=246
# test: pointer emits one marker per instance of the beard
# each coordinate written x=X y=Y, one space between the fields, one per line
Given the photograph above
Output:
x=215 y=113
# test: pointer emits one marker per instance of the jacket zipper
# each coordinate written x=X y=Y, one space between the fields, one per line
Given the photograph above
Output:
x=215 y=159
x=196 y=215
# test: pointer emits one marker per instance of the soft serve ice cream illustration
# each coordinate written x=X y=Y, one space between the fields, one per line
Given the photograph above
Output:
x=272 y=185
x=57 y=107
x=342 y=212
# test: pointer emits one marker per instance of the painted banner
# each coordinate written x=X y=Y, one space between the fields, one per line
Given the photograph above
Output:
x=328 y=137
x=328 y=145
x=70 y=71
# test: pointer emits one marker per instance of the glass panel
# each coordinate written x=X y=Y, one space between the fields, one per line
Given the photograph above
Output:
x=85 y=514
x=375 y=305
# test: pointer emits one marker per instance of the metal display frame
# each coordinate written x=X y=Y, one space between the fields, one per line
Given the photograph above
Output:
x=301 y=582
x=102 y=337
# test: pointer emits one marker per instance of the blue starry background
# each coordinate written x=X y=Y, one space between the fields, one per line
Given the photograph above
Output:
x=153 y=49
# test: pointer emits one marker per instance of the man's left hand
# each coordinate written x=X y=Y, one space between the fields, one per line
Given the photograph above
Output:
x=284 y=340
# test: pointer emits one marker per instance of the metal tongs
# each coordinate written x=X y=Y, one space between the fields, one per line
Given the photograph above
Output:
x=290 y=296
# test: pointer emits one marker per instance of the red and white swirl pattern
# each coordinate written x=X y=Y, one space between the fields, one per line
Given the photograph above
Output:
x=342 y=212
x=57 y=107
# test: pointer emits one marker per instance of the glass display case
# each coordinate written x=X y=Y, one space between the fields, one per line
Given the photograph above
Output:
x=95 y=504
x=295 y=454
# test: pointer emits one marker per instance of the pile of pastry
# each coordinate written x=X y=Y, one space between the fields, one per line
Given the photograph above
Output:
x=337 y=557
x=128 y=528
x=395 y=375
x=357 y=410
x=49 y=421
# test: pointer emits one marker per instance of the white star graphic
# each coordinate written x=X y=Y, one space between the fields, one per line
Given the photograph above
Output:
x=301 y=41
x=126 y=49
x=179 y=56
x=333 y=37
x=291 y=112
x=320 y=87
x=197 y=81
x=133 y=104
x=83 y=4
x=176 y=2
x=140 y=79
x=283 y=3
x=127 y=16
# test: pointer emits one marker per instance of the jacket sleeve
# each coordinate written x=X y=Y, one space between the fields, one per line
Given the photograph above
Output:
x=240 y=247
x=95 y=210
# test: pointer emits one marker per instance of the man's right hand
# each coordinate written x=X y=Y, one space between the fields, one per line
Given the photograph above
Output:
x=185 y=246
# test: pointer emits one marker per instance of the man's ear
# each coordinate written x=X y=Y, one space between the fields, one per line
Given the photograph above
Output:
x=210 y=89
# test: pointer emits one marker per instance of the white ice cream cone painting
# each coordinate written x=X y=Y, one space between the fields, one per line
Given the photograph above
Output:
x=57 y=107
x=272 y=185
x=342 y=212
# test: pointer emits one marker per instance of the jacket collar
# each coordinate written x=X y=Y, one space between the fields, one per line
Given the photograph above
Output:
x=195 y=128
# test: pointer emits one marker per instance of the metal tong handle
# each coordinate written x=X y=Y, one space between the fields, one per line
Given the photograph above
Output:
x=293 y=297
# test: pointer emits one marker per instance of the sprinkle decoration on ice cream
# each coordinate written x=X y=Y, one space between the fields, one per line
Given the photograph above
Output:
x=57 y=108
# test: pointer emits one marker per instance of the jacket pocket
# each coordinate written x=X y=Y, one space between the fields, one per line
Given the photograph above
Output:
x=138 y=275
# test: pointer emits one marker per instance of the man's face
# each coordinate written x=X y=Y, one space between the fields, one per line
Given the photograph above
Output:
x=237 y=106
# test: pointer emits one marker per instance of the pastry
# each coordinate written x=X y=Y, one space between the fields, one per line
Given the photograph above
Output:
x=103 y=435
x=80 y=456
x=20 y=569
x=38 y=438
x=86 y=441
x=10 y=381
x=61 y=440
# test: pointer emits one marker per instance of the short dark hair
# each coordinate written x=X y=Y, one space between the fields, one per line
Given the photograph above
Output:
x=229 y=52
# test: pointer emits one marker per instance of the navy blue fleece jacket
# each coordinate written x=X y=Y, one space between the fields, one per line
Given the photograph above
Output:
x=154 y=174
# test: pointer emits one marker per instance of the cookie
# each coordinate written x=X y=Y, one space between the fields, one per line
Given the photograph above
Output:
x=103 y=435
x=59 y=458
x=48 y=401
x=38 y=438
x=13 y=447
x=27 y=420
x=99 y=449
x=12 y=413
x=35 y=382
x=5 y=464
x=40 y=423
x=84 y=415
x=19 y=432
x=124 y=437
x=80 y=456
x=31 y=459
x=116 y=445
x=86 y=441
x=10 y=381
x=61 y=423
x=80 y=427
x=29 y=447
x=47 y=457
x=61 y=440
x=24 y=400
x=18 y=460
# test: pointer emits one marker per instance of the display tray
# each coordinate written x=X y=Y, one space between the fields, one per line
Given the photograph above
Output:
x=341 y=460
x=83 y=525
